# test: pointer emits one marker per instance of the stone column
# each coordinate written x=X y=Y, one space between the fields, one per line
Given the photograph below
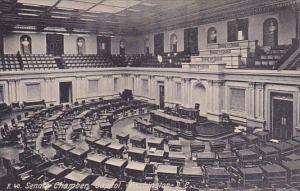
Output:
x=49 y=89
x=260 y=101
x=11 y=90
x=82 y=87
x=216 y=94
x=251 y=100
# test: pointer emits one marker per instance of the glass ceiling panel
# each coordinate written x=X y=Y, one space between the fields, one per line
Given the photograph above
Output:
x=74 y=5
x=121 y=3
x=105 y=9
x=39 y=2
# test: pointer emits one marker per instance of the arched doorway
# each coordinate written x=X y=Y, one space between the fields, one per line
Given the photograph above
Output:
x=173 y=43
x=200 y=97
x=270 y=32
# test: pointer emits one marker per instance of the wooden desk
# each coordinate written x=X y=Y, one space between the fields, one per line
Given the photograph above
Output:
x=268 y=153
x=197 y=146
x=77 y=157
x=101 y=145
x=123 y=138
x=293 y=172
x=115 y=150
x=57 y=172
x=247 y=157
x=215 y=176
x=184 y=127
x=274 y=174
x=167 y=173
x=96 y=163
x=115 y=167
x=165 y=133
x=137 y=141
x=177 y=158
x=206 y=158
x=227 y=158
x=193 y=175
x=137 y=154
x=135 y=171
x=157 y=143
x=157 y=156
x=175 y=145
x=143 y=125
x=76 y=177
x=252 y=176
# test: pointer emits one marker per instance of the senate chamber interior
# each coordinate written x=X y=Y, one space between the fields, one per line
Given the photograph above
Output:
x=152 y=95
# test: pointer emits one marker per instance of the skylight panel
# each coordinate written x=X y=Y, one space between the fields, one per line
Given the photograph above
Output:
x=121 y=3
x=48 y=3
x=74 y=5
x=105 y=9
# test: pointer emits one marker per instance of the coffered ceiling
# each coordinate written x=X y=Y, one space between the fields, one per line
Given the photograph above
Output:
x=117 y=17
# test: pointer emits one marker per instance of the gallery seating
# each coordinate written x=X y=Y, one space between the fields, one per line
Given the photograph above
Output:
x=38 y=62
x=86 y=61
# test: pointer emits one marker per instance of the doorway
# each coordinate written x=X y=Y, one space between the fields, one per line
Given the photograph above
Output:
x=65 y=92
x=161 y=96
x=55 y=44
x=282 y=119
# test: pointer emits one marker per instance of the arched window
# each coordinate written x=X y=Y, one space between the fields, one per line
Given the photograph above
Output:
x=122 y=46
x=173 y=43
x=270 y=30
x=211 y=35
x=147 y=46
x=80 y=45
x=25 y=42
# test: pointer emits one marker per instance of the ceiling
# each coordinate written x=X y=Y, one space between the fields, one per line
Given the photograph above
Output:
x=115 y=17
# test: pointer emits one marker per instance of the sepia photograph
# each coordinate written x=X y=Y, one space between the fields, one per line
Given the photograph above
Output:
x=149 y=95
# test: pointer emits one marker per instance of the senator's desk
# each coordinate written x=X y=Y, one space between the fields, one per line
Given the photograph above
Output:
x=167 y=173
x=252 y=176
x=296 y=145
x=122 y=137
x=163 y=132
x=157 y=156
x=115 y=150
x=83 y=114
x=252 y=140
x=106 y=126
x=215 y=176
x=227 y=158
x=274 y=174
x=101 y=145
x=105 y=183
x=197 y=146
x=268 y=153
x=247 y=157
x=96 y=163
x=291 y=157
x=91 y=142
x=177 y=158
x=135 y=186
x=263 y=136
x=57 y=172
x=175 y=145
x=62 y=149
x=185 y=127
x=48 y=132
x=206 y=158
x=135 y=171
x=56 y=116
x=137 y=141
x=193 y=175
x=76 y=177
x=293 y=172
x=137 y=154
x=217 y=146
x=143 y=125
x=115 y=167
x=190 y=113
x=77 y=156
x=155 y=142
x=284 y=148
x=237 y=143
